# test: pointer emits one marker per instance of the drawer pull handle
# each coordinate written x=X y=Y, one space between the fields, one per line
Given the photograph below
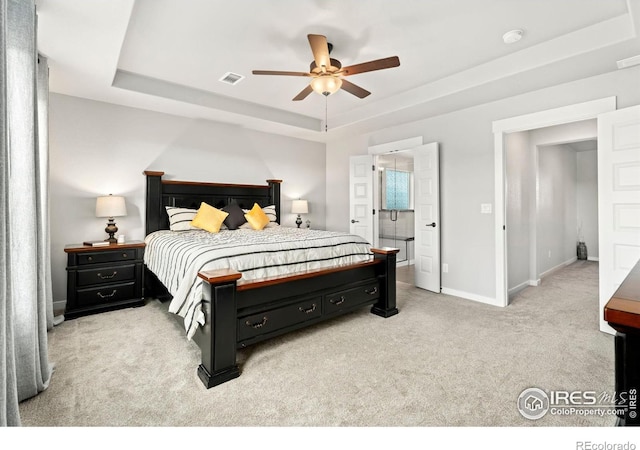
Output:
x=107 y=277
x=373 y=291
x=90 y=258
x=338 y=301
x=101 y=295
x=308 y=311
x=124 y=255
x=257 y=325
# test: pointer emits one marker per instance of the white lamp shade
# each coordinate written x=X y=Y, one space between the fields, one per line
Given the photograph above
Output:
x=300 y=207
x=110 y=206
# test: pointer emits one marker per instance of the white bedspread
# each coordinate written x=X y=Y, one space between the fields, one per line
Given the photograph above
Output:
x=176 y=257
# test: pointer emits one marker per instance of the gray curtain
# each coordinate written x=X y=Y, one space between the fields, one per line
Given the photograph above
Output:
x=26 y=307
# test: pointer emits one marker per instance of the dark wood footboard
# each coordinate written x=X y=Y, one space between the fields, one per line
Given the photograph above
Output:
x=240 y=314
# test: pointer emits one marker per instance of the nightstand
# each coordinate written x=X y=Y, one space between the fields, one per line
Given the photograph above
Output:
x=103 y=278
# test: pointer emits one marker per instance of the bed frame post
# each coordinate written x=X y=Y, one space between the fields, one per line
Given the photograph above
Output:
x=386 y=306
x=274 y=192
x=154 y=201
x=217 y=337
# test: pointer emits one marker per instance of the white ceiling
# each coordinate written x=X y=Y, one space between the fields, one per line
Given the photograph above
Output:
x=168 y=55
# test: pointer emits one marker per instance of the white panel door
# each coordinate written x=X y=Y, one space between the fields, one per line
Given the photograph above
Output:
x=427 y=216
x=618 y=200
x=361 y=173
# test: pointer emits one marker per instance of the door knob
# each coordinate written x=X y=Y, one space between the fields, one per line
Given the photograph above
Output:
x=355 y=221
x=432 y=224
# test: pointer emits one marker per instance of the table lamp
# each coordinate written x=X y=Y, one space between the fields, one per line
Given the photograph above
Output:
x=299 y=207
x=111 y=206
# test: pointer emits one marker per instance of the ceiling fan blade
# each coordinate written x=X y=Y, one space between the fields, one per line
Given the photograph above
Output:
x=303 y=94
x=320 y=50
x=354 y=89
x=280 y=72
x=378 y=64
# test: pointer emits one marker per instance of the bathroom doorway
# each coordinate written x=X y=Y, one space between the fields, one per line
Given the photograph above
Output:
x=396 y=223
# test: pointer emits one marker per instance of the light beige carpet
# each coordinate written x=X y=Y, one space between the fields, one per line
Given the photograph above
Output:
x=443 y=361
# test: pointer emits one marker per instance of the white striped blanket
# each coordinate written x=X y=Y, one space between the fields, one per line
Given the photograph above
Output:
x=176 y=257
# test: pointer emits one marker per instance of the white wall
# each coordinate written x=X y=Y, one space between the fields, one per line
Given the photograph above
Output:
x=98 y=148
x=467 y=170
x=556 y=220
x=542 y=199
x=557 y=213
x=587 y=199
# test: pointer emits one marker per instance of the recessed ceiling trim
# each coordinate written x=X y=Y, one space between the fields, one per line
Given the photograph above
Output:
x=628 y=62
x=571 y=45
x=161 y=88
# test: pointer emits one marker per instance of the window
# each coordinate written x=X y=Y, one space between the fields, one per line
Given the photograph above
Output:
x=397 y=189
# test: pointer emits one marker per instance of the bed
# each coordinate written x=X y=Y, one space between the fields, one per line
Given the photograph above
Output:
x=227 y=301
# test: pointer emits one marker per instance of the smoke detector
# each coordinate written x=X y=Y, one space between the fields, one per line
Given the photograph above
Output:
x=512 y=36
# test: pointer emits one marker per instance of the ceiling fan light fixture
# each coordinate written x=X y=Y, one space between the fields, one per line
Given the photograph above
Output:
x=326 y=84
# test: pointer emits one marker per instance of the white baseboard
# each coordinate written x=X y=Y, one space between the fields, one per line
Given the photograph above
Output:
x=593 y=258
x=59 y=305
x=514 y=290
x=518 y=288
x=469 y=296
x=558 y=267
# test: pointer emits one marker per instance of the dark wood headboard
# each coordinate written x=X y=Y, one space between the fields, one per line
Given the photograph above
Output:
x=189 y=194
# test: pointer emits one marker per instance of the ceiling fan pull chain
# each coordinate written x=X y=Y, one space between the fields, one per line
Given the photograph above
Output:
x=325 y=113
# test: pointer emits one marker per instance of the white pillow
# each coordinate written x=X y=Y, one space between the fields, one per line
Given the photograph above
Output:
x=270 y=211
x=180 y=218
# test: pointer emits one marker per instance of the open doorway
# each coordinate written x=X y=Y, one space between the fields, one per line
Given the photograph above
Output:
x=396 y=226
x=424 y=189
x=551 y=200
x=558 y=116
x=396 y=214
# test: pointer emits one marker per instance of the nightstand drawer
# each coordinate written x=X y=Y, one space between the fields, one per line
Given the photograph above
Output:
x=114 y=274
x=337 y=301
x=268 y=321
x=104 y=278
x=107 y=256
x=106 y=294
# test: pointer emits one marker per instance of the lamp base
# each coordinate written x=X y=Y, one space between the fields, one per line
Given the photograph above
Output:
x=111 y=229
x=299 y=221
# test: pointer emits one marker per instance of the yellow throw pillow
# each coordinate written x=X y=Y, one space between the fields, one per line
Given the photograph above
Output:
x=256 y=217
x=209 y=218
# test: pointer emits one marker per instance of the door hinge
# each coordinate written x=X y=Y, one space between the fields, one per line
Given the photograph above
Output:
x=374 y=212
x=504 y=227
x=373 y=167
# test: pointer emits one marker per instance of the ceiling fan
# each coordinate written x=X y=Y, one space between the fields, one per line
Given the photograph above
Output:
x=327 y=74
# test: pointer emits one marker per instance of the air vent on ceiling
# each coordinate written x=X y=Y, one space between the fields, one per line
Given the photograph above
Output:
x=231 y=78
